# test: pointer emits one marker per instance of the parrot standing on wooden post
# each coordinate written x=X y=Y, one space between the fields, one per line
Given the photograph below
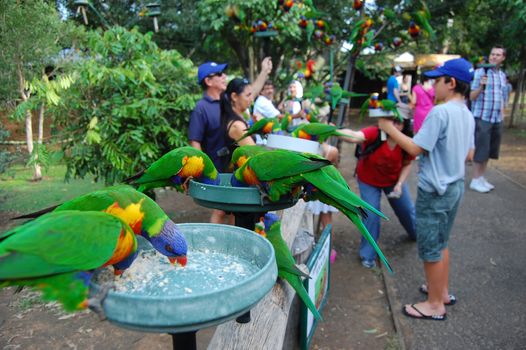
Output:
x=56 y=252
x=287 y=268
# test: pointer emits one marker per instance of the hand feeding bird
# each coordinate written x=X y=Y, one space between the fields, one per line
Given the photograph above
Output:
x=175 y=169
x=57 y=252
x=140 y=212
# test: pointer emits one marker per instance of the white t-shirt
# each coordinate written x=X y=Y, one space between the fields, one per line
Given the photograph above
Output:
x=263 y=106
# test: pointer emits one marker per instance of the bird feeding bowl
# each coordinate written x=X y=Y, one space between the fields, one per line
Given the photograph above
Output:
x=229 y=270
x=235 y=199
x=293 y=144
x=378 y=113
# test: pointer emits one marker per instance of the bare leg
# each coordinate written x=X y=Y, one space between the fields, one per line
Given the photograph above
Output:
x=436 y=277
x=218 y=216
x=479 y=169
x=325 y=219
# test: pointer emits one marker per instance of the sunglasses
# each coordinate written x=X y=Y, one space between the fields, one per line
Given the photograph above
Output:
x=218 y=74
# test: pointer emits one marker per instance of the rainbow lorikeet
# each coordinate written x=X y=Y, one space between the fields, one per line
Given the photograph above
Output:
x=263 y=127
x=242 y=153
x=280 y=172
x=287 y=268
x=56 y=252
x=316 y=132
x=175 y=169
x=139 y=211
x=386 y=105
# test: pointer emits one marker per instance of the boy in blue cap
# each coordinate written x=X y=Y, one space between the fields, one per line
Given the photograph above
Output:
x=444 y=142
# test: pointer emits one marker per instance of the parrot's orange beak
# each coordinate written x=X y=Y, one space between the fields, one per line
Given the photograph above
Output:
x=118 y=272
x=180 y=260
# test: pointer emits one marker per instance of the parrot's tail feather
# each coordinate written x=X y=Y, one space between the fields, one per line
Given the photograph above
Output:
x=133 y=177
x=35 y=214
x=304 y=296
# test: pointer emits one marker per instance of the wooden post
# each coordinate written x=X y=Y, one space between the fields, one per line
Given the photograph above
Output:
x=268 y=326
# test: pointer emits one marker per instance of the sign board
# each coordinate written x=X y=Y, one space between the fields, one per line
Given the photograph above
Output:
x=317 y=286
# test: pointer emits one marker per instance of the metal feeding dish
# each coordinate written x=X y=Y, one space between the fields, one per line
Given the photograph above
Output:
x=229 y=270
x=293 y=144
x=235 y=199
x=378 y=113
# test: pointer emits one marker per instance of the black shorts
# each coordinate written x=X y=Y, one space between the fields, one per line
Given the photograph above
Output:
x=487 y=140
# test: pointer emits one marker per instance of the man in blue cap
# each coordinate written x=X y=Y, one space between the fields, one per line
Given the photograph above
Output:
x=204 y=131
x=444 y=142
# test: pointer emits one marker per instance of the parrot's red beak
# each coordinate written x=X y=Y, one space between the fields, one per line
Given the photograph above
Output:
x=118 y=272
x=181 y=260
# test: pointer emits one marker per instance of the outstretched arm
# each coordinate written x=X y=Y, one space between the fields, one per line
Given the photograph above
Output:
x=401 y=139
x=354 y=136
x=266 y=68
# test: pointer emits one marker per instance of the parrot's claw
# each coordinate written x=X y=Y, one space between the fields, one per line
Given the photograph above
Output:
x=185 y=184
x=262 y=196
x=96 y=300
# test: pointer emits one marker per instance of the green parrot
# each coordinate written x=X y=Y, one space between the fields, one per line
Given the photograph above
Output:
x=242 y=153
x=175 y=169
x=422 y=17
x=280 y=172
x=316 y=132
x=139 y=211
x=386 y=105
x=56 y=252
x=263 y=127
x=314 y=91
x=287 y=268
x=336 y=93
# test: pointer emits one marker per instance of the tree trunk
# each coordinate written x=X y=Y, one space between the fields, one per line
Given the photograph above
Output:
x=37 y=175
x=41 y=111
x=517 y=98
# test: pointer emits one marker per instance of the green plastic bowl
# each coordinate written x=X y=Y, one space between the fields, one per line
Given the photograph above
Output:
x=234 y=199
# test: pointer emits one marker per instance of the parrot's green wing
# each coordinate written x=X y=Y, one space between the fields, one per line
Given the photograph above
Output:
x=278 y=164
x=61 y=242
x=257 y=127
x=285 y=262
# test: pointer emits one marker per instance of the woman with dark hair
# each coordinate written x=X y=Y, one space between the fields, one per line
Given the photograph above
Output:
x=383 y=167
x=422 y=100
x=235 y=102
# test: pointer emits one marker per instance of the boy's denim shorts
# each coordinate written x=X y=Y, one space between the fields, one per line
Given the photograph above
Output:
x=435 y=215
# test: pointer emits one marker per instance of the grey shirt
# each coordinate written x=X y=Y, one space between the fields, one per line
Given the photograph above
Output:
x=447 y=135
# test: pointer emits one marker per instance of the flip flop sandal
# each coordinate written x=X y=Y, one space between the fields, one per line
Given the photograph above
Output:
x=422 y=316
x=452 y=297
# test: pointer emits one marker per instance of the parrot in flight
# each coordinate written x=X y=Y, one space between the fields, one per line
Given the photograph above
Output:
x=175 y=169
x=263 y=127
x=57 y=252
x=139 y=211
x=316 y=132
x=287 y=268
x=280 y=172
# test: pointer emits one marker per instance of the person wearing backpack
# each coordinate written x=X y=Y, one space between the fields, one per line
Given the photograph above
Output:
x=382 y=166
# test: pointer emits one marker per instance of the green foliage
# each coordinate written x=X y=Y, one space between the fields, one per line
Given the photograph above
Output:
x=6 y=157
x=129 y=103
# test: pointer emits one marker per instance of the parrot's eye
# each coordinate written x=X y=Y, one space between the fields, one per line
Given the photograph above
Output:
x=169 y=248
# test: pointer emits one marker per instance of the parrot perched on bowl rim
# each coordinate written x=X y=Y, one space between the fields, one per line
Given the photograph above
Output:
x=262 y=127
x=56 y=253
x=139 y=211
x=175 y=169
x=309 y=171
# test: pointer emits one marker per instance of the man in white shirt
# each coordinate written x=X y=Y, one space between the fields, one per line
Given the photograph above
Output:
x=263 y=107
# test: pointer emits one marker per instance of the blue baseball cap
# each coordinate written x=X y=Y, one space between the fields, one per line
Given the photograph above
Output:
x=457 y=68
x=208 y=68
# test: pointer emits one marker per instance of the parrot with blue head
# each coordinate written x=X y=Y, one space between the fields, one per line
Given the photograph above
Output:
x=175 y=169
x=287 y=268
x=140 y=212
x=56 y=253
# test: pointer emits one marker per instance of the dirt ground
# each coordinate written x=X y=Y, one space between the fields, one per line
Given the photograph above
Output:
x=357 y=315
